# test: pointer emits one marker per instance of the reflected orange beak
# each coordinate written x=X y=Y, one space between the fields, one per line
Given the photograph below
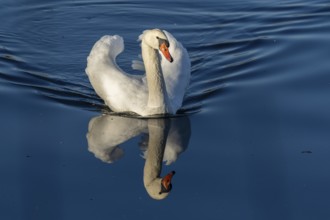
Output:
x=165 y=51
x=166 y=182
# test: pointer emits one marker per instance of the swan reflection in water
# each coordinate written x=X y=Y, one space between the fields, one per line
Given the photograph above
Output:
x=167 y=138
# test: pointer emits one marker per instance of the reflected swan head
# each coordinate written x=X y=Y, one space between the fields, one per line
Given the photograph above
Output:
x=160 y=188
x=166 y=183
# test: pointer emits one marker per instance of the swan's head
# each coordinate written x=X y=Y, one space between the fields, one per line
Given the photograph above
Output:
x=157 y=40
x=160 y=188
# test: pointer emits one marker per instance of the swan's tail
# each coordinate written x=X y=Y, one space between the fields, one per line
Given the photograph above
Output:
x=104 y=53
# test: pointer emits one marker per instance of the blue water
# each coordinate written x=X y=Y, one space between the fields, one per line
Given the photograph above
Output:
x=254 y=142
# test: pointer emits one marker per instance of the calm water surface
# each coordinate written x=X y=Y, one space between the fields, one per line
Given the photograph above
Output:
x=254 y=142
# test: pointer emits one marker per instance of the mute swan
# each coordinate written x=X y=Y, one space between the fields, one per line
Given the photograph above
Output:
x=159 y=91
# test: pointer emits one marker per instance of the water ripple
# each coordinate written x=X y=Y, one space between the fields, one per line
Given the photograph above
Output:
x=47 y=48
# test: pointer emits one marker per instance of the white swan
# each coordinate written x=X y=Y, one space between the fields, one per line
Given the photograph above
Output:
x=159 y=91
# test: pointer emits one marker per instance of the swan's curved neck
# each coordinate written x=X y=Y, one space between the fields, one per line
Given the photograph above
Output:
x=158 y=98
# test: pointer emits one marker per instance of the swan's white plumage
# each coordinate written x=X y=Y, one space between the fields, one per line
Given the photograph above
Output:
x=124 y=92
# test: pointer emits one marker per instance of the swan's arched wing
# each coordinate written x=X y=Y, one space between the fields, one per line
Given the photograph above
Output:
x=177 y=73
x=121 y=91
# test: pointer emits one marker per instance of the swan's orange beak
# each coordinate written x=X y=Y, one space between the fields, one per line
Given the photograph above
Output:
x=165 y=51
x=166 y=182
